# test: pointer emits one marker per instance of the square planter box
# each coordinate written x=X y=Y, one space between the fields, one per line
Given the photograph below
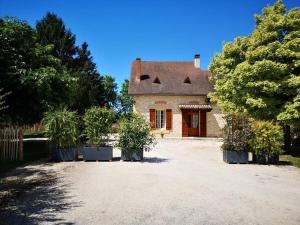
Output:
x=235 y=157
x=60 y=155
x=132 y=155
x=264 y=160
x=97 y=153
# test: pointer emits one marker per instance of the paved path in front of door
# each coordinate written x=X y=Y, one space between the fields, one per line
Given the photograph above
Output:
x=181 y=182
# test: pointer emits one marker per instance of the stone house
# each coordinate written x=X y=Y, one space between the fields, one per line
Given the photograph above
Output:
x=173 y=97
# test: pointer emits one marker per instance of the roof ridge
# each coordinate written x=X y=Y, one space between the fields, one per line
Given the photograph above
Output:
x=162 y=61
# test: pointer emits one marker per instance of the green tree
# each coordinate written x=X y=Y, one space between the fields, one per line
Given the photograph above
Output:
x=110 y=91
x=125 y=100
x=16 y=48
x=89 y=90
x=83 y=62
x=260 y=74
x=52 y=30
x=89 y=87
x=35 y=78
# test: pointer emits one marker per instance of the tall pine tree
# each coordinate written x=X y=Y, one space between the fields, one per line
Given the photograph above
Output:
x=52 y=30
x=89 y=88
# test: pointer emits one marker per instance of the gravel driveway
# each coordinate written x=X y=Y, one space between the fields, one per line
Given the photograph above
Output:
x=180 y=182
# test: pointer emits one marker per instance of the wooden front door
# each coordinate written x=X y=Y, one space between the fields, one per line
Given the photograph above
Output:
x=190 y=123
x=194 y=123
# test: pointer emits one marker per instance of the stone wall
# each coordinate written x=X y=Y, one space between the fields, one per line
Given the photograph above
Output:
x=143 y=103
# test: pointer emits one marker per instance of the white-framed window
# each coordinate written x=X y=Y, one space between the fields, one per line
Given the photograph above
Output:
x=160 y=118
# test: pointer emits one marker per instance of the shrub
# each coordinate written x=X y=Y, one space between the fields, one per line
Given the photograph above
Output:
x=115 y=128
x=237 y=133
x=135 y=134
x=267 y=141
x=61 y=128
x=97 y=124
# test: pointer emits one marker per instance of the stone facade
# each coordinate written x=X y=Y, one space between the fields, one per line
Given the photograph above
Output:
x=142 y=104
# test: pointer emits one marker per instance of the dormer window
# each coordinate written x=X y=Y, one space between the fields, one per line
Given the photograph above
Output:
x=156 y=81
x=187 y=80
x=145 y=77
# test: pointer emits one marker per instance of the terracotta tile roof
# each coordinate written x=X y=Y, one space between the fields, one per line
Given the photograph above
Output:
x=171 y=76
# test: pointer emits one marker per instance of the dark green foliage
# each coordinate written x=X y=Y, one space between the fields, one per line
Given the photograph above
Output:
x=44 y=70
x=83 y=62
x=97 y=124
x=110 y=91
x=62 y=128
x=135 y=134
x=89 y=88
x=237 y=133
x=125 y=100
x=51 y=30
x=35 y=78
x=16 y=43
x=88 y=92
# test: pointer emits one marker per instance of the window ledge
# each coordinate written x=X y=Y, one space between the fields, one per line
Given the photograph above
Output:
x=161 y=131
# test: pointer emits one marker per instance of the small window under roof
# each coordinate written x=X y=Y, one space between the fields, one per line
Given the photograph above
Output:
x=145 y=77
x=156 y=81
x=187 y=80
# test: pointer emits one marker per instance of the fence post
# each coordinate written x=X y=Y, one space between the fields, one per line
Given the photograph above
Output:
x=20 y=144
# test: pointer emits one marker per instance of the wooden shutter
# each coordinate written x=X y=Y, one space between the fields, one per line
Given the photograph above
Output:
x=202 y=123
x=169 y=119
x=152 y=118
x=185 y=129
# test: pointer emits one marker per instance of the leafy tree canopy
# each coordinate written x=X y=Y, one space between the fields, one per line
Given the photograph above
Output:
x=35 y=78
x=125 y=101
x=89 y=88
x=110 y=91
x=43 y=70
x=260 y=74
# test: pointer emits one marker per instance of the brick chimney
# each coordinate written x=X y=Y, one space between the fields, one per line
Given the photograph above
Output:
x=197 y=61
x=138 y=69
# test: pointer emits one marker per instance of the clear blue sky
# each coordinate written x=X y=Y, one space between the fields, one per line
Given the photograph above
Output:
x=119 y=31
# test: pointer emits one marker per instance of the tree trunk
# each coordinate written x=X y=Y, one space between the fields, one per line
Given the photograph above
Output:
x=287 y=138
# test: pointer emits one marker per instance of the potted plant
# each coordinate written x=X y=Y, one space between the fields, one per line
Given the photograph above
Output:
x=97 y=125
x=61 y=128
x=267 y=141
x=134 y=138
x=237 y=138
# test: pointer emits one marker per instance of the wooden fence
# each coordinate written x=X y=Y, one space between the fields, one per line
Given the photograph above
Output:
x=11 y=143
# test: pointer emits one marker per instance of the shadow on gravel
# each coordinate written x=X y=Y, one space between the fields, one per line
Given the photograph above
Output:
x=34 y=197
x=154 y=160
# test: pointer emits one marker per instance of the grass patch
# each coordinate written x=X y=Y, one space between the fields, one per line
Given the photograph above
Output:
x=37 y=134
x=291 y=160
